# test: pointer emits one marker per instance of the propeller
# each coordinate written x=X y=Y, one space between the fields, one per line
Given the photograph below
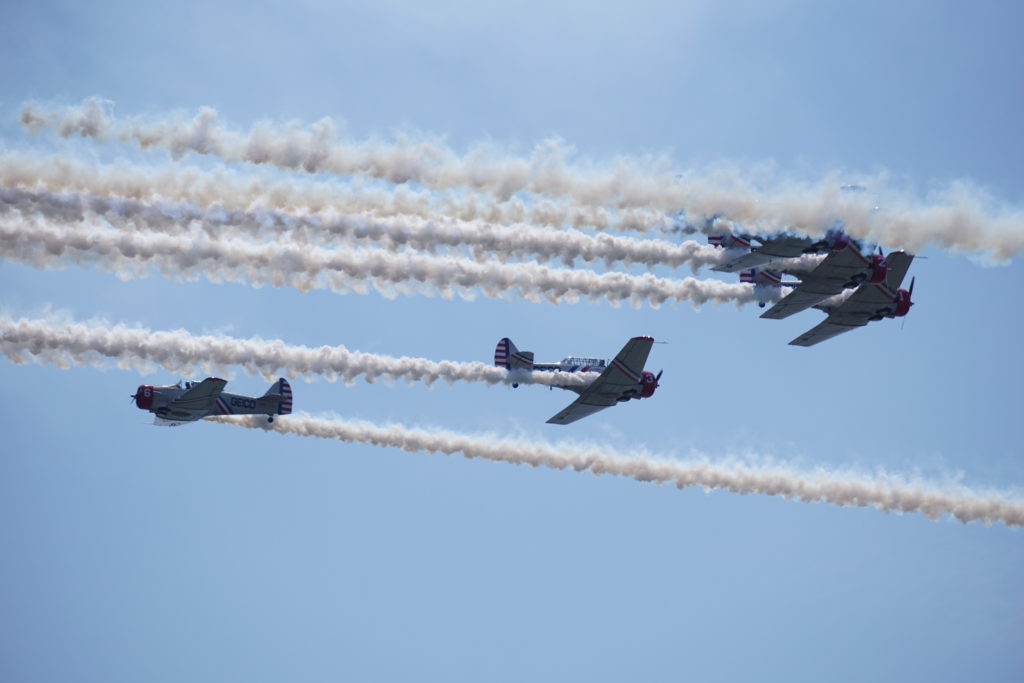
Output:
x=133 y=397
x=657 y=378
x=910 y=298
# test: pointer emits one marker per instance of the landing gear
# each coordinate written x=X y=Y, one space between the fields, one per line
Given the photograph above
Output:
x=515 y=385
x=270 y=419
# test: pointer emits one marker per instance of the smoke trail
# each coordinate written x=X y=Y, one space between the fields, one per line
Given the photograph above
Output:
x=960 y=216
x=329 y=226
x=132 y=254
x=66 y=344
x=885 y=493
x=223 y=188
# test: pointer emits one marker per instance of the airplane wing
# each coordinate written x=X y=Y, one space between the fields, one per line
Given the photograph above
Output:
x=620 y=381
x=825 y=330
x=868 y=302
x=899 y=263
x=834 y=274
x=751 y=259
x=771 y=249
x=197 y=402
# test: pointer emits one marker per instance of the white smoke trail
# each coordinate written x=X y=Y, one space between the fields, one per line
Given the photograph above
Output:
x=132 y=254
x=960 y=217
x=226 y=189
x=67 y=343
x=885 y=493
x=329 y=226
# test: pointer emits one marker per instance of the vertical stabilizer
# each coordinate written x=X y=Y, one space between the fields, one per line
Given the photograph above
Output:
x=506 y=355
x=282 y=389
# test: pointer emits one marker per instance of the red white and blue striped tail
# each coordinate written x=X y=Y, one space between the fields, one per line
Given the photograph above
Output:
x=507 y=356
x=501 y=352
x=284 y=390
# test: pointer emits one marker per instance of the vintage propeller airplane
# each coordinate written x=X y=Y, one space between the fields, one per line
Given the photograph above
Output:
x=870 y=301
x=620 y=380
x=843 y=269
x=763 y=250
x=853 y=288
x=177 y=404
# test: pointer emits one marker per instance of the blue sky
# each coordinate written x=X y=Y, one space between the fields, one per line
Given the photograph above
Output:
x=208 y=553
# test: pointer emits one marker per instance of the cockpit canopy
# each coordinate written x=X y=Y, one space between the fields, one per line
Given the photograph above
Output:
x=578 y=361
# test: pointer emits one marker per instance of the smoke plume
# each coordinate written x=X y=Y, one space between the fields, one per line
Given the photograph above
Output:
x=959 y=216
x=66 y=344
x=328 y=226
x=223 y=188
x=132 y=254
x=885 y=493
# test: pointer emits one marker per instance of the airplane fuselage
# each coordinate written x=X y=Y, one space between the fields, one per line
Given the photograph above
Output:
x=174 y=403
x=573 y=364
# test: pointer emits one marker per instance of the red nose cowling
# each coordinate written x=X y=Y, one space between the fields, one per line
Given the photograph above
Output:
x=879 y=269
x=903 y=303
x=144 y=397
x=649 y=385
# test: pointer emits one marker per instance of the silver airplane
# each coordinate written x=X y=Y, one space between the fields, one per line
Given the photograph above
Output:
x=178 y=404
x=620 y=380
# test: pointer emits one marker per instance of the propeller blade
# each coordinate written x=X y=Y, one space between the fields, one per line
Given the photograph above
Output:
x=910 y=292
x=657 y=377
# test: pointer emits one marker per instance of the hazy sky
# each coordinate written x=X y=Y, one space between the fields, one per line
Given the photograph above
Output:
x=210 y=553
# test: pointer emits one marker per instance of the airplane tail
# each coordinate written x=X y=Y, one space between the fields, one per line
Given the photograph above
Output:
x=767 y=283
x=729 y=241
x=282 y=391
x=507 y=356
x=762 y=277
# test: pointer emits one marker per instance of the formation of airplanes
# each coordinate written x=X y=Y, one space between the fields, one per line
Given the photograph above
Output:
x=616 y=381
x=851 y=286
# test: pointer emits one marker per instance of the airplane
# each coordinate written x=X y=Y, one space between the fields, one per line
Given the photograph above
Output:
x=618 y=382
x=844 y=268
x=870 y=301
x=769 y=249
x=177 y=404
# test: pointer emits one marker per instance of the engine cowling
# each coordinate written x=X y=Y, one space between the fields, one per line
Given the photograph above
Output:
x=903 y=303
x=649 y=383
x=879 y=268
x=144 y=397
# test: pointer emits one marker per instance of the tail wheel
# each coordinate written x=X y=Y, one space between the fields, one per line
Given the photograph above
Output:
x=270 y=419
